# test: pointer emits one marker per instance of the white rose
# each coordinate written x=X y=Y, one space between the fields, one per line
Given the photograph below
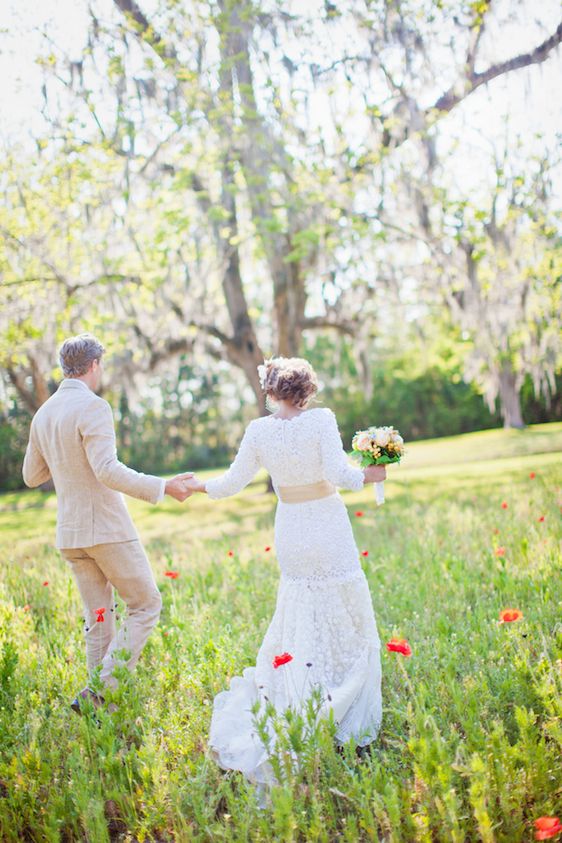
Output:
x=363 y=442
x=382 y=438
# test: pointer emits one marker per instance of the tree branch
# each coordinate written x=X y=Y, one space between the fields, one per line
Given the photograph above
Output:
x=213 y=331
x=110 y=278
x=453 y=96
x=170 y=349
x=17 y=379
x=145 y=29
x=342 y=327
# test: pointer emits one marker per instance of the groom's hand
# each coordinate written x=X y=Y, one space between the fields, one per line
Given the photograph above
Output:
x=177 y=486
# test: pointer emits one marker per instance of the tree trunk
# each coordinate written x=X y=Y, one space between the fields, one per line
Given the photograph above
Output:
x=261 y=152
x=242 y=348
x=289 y=306
x=40 y=386
x=510 y=402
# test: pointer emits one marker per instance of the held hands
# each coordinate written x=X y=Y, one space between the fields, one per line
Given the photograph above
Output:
x=374 y=473
x=195 y=485
x=178 y=487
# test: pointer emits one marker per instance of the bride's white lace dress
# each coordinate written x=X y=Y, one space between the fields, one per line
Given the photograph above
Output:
x=324 y=615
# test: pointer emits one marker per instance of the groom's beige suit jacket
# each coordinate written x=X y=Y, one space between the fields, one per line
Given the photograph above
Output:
x=72 y=440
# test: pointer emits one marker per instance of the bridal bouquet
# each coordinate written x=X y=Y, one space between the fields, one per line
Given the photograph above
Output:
x=378 y=446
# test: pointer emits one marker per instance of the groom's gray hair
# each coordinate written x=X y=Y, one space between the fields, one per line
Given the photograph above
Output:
x=77 y=354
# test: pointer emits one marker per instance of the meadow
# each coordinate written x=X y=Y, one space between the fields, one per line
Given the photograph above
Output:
x=471 y=740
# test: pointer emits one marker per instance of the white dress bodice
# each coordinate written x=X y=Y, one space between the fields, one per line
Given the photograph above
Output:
x=297 y=451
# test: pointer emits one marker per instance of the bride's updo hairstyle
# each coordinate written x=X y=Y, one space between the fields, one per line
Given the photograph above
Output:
x=288 y=379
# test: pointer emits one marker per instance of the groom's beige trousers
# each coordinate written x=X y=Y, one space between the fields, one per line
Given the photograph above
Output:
x=125 y=566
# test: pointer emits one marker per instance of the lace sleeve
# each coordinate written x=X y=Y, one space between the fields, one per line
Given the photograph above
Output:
x=245 y=465
x=337 y=469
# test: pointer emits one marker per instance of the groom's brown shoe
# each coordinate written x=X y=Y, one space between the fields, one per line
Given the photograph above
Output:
x=86 y=694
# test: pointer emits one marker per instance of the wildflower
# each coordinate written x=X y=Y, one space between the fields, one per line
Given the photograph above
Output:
x=359 y=514
x=284 y=658
x=509 y=615
x=500 y=551
x=541 y=519
x=399 y=645
x=547 y=827
x=504 y=504
x=173 y=575
x=496 y=531
x=364 y=553
x=532 y=475
x=230 y=553
x=100 y=615
x=27 y=607
x=268 y=548
x=46 y=582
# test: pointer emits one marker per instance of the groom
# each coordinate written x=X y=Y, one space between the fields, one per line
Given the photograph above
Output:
x=72 y=441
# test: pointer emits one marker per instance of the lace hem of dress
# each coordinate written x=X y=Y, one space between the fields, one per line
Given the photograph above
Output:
x=328 y=578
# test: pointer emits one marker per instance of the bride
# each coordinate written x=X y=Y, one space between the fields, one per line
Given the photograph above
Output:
x=323 y=632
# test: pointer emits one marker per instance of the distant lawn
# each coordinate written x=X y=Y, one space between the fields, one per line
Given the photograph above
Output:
x=485 y=456
x=472 y=734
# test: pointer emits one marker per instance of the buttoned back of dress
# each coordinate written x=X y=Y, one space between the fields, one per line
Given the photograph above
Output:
x=305 y=449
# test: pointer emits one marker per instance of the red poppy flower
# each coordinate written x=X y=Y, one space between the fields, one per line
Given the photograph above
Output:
x=359 y=514
x=27 y=607
x=100 y=615
x=230 y=553
x=541 y=519
x=46 y=582
x=284 y=658
x=504 y=504
x=364 y=553
x=547 y=827
x=399 y=645
x=172 y=574
x=509 y=615
x=532 y=475
x=268 y=548
x=500 y=551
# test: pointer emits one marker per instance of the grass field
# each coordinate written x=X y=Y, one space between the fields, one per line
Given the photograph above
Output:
x=470 y=748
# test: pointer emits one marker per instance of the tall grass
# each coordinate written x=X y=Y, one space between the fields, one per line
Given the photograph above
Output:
x=471 y=740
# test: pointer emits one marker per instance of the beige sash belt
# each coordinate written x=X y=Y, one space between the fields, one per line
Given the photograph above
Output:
x=309 y=492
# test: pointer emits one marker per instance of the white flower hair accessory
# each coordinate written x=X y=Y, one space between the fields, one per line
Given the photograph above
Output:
x=262 y=372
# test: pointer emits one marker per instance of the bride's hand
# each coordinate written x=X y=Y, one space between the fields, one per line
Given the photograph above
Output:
x=194 y=485
x=374 y=473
